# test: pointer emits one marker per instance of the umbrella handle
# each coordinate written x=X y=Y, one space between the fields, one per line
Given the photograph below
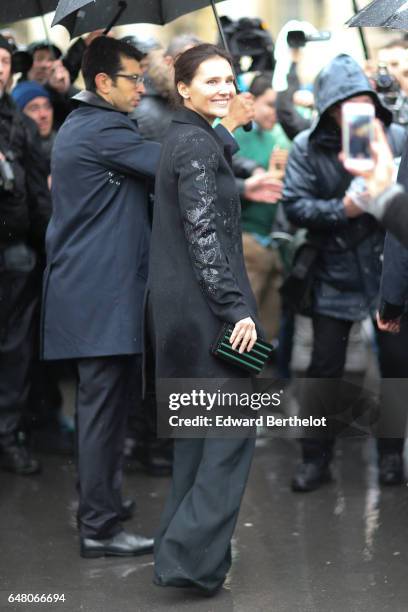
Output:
x=40 y=8
x=122 y=6
x=248 y=126
x=362 y=36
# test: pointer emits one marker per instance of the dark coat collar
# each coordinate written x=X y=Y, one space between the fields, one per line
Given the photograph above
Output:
x=92 y=99
x=185 y=115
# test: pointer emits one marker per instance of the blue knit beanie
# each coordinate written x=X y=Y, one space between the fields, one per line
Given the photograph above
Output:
x=26 y=91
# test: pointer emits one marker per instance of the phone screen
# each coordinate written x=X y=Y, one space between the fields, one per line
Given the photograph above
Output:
x=358 y=134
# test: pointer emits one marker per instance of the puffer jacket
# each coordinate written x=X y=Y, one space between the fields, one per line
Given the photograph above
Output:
x=348 y=266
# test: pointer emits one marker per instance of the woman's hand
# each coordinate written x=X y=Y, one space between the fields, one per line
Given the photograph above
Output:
x=263 y=188
x=244 y=335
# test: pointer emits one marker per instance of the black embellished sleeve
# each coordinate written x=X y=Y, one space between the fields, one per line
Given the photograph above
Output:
x=196 y=161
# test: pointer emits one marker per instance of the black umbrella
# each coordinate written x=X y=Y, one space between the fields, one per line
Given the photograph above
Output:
x=382 y=13
x=81 y=16
x=14 y=10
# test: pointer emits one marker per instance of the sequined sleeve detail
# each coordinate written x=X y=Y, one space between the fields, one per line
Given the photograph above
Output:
x=196 y=164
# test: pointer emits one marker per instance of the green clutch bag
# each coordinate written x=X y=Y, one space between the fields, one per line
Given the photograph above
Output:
x=253 y=362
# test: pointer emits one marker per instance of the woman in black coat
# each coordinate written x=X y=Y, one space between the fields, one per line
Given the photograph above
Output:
x=197 y=281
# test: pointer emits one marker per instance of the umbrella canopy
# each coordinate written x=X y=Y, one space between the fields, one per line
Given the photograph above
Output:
x=382 y=13
x=24 y=9
x=81 y=16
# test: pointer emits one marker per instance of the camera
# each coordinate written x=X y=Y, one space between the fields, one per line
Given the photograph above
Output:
x=297 y=39
x=249 y=38
x=6 y=176
x=386 y=85
x=390 y=94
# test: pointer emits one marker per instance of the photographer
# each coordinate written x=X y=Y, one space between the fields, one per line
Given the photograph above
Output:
x=24 y=211
x=286 y=83
x=48 y=70
x=390 y=79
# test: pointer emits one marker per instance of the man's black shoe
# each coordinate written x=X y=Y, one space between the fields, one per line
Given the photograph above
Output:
x=121 y=545
x=15 y=457
x=310 y=476
x=126 y=513
x=391 y=469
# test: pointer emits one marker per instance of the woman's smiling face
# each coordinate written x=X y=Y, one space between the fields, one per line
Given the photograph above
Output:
x=211 y=90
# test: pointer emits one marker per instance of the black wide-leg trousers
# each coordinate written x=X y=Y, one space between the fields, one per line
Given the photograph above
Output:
x=193 y=545
x=106 y=387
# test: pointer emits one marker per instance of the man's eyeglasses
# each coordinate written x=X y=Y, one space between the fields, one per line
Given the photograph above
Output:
x=136 y=79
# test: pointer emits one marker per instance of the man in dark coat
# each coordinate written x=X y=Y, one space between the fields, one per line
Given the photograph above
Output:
x=97 y=252
x=25 y=208
x=348 y=266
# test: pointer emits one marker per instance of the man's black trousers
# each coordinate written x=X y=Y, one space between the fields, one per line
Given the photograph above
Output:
x=106 y=388
x=330 y=339
x=19 y=294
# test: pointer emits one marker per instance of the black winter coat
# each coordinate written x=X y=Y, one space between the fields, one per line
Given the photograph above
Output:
x=24 y=211
x=348 y=268
x=197 y=278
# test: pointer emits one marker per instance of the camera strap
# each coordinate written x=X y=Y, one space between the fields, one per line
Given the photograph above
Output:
x=15 y=122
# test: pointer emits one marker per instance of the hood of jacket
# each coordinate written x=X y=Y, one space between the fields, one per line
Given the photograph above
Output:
x=341 y=79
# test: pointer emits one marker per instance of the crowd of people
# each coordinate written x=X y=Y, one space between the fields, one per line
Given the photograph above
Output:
x=122 y=208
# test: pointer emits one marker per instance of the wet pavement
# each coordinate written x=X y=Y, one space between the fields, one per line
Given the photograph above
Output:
x=342 y=548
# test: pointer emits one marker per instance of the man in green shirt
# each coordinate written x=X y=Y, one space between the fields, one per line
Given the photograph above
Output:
x=266 y=144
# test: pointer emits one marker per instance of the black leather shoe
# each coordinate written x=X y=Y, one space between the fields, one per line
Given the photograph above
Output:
x=391 y=469
x=121 y=545
x=126 y=513
x=15 y=457
x=310 y=476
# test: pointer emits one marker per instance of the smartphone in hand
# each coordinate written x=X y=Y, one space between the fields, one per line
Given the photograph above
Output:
x=358 y=135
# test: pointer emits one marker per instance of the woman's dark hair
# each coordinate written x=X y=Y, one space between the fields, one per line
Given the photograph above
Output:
x=104 y=54
x=187 y=63
x=261 y=83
